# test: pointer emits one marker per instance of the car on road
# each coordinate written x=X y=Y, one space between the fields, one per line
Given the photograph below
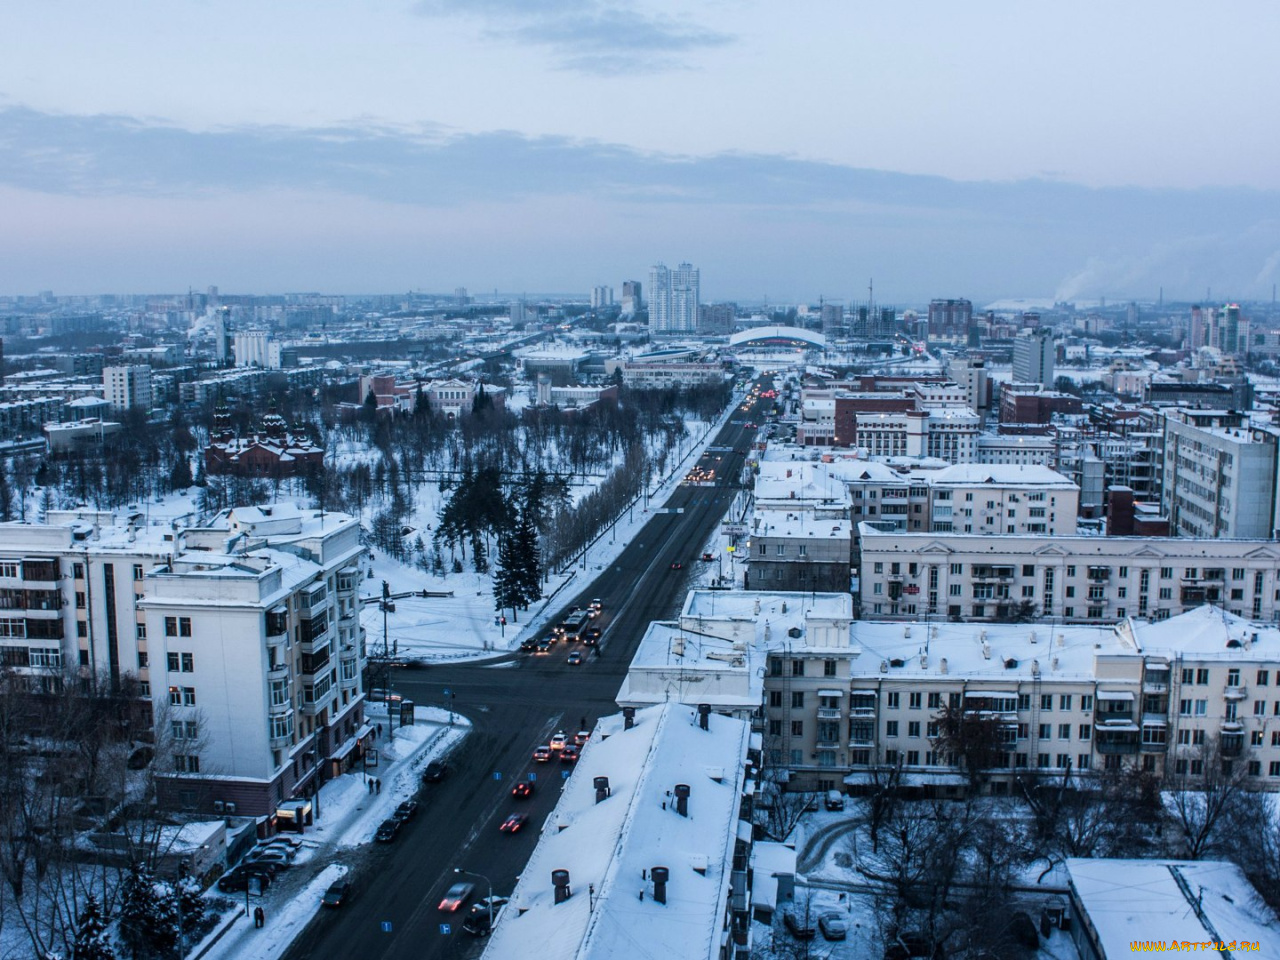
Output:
x=708 y=558
x=575 y=659
x=339 y=892
x=677 y=565
x=456 y=896
x=529 y=644
x=522 y=790
x=833 y=926
x=542 y=754
x=592 y=636
x=569 y=754
x=581 y=737
x=514 y=823
x=544 y=646
x=387 y=830
x=559 y=740
x=405 y=811
x=436 y=771
x=596 y=605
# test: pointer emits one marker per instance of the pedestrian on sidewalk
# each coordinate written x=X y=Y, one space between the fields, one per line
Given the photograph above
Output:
x=371 y=784
x=377 y=786
x=259 y=918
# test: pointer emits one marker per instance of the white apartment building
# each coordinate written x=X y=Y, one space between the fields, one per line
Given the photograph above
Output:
x=243 y=636
x=127 y=387
x=256 y=625
x=1023 y=449
x=1061 y=577
x=1033 y=356
x=673 y=299
x=1219 y=475
x=665 y=375
x=841 y=701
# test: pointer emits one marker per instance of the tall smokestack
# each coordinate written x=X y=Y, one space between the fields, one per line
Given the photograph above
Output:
x=682 y=799
x=560 y=879
x=660 y=876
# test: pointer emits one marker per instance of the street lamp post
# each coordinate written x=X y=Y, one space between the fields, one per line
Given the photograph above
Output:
x=487 y=881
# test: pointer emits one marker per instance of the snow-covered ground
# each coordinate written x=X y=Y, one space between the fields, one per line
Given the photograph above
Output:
x=349 y=815
x=462 y=626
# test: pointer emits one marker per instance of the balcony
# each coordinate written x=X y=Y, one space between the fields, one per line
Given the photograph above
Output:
x=279 y=709
x=1113 y=747
x=1231 y=744
x=280 y=740
x=824 y=744
x=40 y=571
x=828 y=713
x=278 y=671
x=1235 y=693
x=856 y=742
x=1154 y=747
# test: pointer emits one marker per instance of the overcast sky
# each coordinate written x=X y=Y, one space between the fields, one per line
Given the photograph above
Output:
x=792 y=150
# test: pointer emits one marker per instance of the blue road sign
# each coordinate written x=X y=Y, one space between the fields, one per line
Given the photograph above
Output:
x=386 y=926
x=447 y=693
x=445 y=929
x=497 y=774
x=564 y=774
x=532 y=775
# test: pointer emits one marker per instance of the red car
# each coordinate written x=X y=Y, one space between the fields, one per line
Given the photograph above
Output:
x=514 y=822
x=522 y=790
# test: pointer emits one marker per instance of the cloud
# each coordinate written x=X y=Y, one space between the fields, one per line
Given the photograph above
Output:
x=768 y=223
x=601 y=37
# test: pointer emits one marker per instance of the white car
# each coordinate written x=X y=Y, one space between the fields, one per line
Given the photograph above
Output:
x=558 y=741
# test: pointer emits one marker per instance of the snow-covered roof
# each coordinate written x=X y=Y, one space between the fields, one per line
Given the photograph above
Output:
x=1179 y=901
x=987 y=474
x=610 y=847
x=987 y=652
x=769 y=861
x=1208 y=632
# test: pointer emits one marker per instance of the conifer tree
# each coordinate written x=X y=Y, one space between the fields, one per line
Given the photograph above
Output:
x=92 y=941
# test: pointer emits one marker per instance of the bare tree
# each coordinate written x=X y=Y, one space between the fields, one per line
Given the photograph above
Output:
x=778 y=809
x=884 y=793
x=1205 y=788
x=974 y=738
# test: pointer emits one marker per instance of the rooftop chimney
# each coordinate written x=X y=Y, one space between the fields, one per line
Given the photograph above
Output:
x=560 y=880
x=682 y=799
x=704 y=713
x=628 y=717
x=602 y=788
x=660 y=876
x=942 y=665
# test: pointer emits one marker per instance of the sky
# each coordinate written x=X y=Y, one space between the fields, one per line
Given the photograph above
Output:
x=791 y=151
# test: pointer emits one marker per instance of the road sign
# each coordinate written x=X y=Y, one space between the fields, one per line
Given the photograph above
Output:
x=497 y=774
x=447 y=693
x=532 y=776
x=564 y=774
x=386 y=926
x=445 y=929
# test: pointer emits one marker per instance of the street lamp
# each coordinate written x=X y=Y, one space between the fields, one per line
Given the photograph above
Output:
x=487 y=881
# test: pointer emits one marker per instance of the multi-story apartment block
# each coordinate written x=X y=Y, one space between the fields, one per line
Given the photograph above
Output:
x=793 y=550
x=842 y=702
x=127 y=387
x=1219 y=474
x=257 y=628
x=243 y=637
x=1025 y=449
x=673 y=299
x=1033 y=356
x=1064 y=578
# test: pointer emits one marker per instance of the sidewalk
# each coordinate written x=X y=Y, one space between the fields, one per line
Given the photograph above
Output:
x=348 y=817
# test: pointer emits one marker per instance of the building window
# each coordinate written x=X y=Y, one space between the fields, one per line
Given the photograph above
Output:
x=797 y=698
x=775 y=698
x=1264 y=676
x=828 y=668
x=1085 y=731
x=1064 y=731
x=916 y=700
x=775 y=728
x=1046 y=702
x=892 y=700
x=1064 y=702
x=137 y=571
x=913 y=728
x=797 y=668
x=797 y=728
x=935 y=701
x=891 y=728
x=186 y=763
x=175 y=663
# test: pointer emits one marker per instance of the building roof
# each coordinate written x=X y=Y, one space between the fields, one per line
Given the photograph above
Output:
x=999 y=474
x=1207 y=632
x=1200 y=901
x=609 y=847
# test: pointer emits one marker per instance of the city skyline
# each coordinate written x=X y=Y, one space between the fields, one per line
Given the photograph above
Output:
x=565 y=143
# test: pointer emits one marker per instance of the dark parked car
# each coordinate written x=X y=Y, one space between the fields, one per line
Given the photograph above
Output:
x=435 y=771
x=800 y=925
x=238 y=879
x=477 y=923
x=405 y=811
x=339 y=892
x=387 y=831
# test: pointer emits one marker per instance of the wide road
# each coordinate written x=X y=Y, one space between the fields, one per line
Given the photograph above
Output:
x=516 y=703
